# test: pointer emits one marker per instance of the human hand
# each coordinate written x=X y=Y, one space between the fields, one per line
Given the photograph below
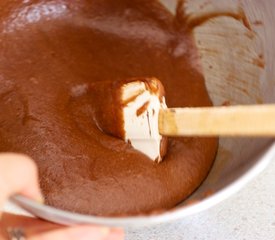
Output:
x=18 y=175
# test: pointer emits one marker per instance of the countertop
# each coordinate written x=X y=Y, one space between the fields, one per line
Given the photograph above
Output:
x=248 y=215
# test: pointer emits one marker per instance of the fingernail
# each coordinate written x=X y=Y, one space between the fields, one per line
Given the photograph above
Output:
x=40 y=199
x=105 y=231
x=92 y=234
x=118 y=230
x=116 y=234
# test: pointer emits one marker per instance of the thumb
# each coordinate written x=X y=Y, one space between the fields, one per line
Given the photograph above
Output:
x=18 y=174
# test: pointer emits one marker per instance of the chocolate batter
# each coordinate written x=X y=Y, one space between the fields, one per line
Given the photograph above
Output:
x=50 y=51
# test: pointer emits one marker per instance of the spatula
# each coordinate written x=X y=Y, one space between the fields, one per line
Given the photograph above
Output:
x=135 y=111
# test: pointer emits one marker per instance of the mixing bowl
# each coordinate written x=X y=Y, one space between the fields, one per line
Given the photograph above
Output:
x=235 y=41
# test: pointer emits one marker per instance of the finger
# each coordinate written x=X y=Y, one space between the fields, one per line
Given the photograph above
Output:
x=35 y=228
x=18 y=174
x=80 y=233
x=32 y=226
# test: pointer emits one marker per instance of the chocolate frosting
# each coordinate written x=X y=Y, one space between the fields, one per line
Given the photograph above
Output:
x=50 y=52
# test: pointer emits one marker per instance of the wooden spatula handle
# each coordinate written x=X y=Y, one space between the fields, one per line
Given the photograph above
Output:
x=250 y=120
